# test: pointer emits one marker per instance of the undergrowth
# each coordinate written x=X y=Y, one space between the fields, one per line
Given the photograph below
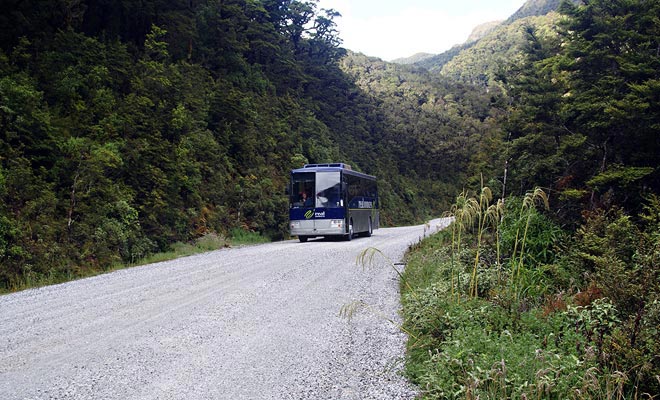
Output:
x=239 y=236
x=505 y=304
x=208 y=242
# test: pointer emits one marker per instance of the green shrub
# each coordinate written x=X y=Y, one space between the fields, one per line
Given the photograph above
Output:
x=210 y=242
x=618 y=259
x=241 y=236
x=542 y=233
x=477 y=349
x=554 y=316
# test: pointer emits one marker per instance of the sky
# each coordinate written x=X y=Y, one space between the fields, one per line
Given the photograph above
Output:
x=391 y=29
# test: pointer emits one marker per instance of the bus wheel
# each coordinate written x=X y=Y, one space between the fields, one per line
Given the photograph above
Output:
x=349 y=237
x=302 y=239
x=371 y=229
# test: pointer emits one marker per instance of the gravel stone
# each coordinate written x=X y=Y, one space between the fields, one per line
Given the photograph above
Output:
x=254 y=322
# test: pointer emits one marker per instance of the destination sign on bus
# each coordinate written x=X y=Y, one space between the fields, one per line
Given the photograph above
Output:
x=365 y=204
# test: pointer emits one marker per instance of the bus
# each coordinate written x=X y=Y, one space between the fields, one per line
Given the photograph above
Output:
x=332 y=200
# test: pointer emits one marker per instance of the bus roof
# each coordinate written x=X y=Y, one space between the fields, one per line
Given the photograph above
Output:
x=331 y=167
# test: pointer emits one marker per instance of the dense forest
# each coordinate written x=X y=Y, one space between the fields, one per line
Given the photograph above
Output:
x=126 y=127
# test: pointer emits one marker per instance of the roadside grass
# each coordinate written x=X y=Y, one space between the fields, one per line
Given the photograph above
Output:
x=240 y=236
x=208 y=242
x=512 y=307
x=495 y=348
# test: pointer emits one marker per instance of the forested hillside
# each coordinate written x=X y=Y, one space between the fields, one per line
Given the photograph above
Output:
x=487 y=61
x=573 y=86
x=492 y=47
x=431 y=126
x=582 y=120
x=126 y=127
x=533 y=8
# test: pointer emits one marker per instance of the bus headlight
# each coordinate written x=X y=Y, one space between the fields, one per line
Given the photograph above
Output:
x=295 y=224
x=336 y=223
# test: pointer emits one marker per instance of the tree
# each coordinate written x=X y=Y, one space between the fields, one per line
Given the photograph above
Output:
x=540 y=149
x=613 y=65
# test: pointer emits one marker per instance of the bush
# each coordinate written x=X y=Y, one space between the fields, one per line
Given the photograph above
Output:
x=618 y=260
x=241 y=236
x=554 y=316
x=543 y=234
x=477 y=349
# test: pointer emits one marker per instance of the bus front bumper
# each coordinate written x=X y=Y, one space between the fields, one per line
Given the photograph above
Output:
x=319 y=227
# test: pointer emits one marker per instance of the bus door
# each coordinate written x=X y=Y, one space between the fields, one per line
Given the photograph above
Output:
x=329 y=212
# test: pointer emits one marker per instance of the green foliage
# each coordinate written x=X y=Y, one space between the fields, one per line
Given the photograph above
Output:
x=618 y=175
x=485 y=357
x=618 y=259
x=126 y=129
x=425 y=129
x=542 y=233
x=579 y=121
x=118 y=236
x=241 y=236
x=500 y=52
x=547 y=323
x=518 y=234
x=536 y=7
x=479 y=347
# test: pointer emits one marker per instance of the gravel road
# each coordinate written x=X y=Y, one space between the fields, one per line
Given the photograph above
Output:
x=256 y=322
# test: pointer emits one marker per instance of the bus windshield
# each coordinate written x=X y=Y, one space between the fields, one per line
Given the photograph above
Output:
x=328 y=194
x=320 y=190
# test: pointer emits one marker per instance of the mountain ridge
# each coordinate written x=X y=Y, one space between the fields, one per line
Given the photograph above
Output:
x=415 y=58
x=530 y=8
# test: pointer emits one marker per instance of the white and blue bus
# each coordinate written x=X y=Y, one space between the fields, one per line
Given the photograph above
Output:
x=332 y=200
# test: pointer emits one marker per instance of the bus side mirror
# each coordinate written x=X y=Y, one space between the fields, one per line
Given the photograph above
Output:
x=286 y=190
